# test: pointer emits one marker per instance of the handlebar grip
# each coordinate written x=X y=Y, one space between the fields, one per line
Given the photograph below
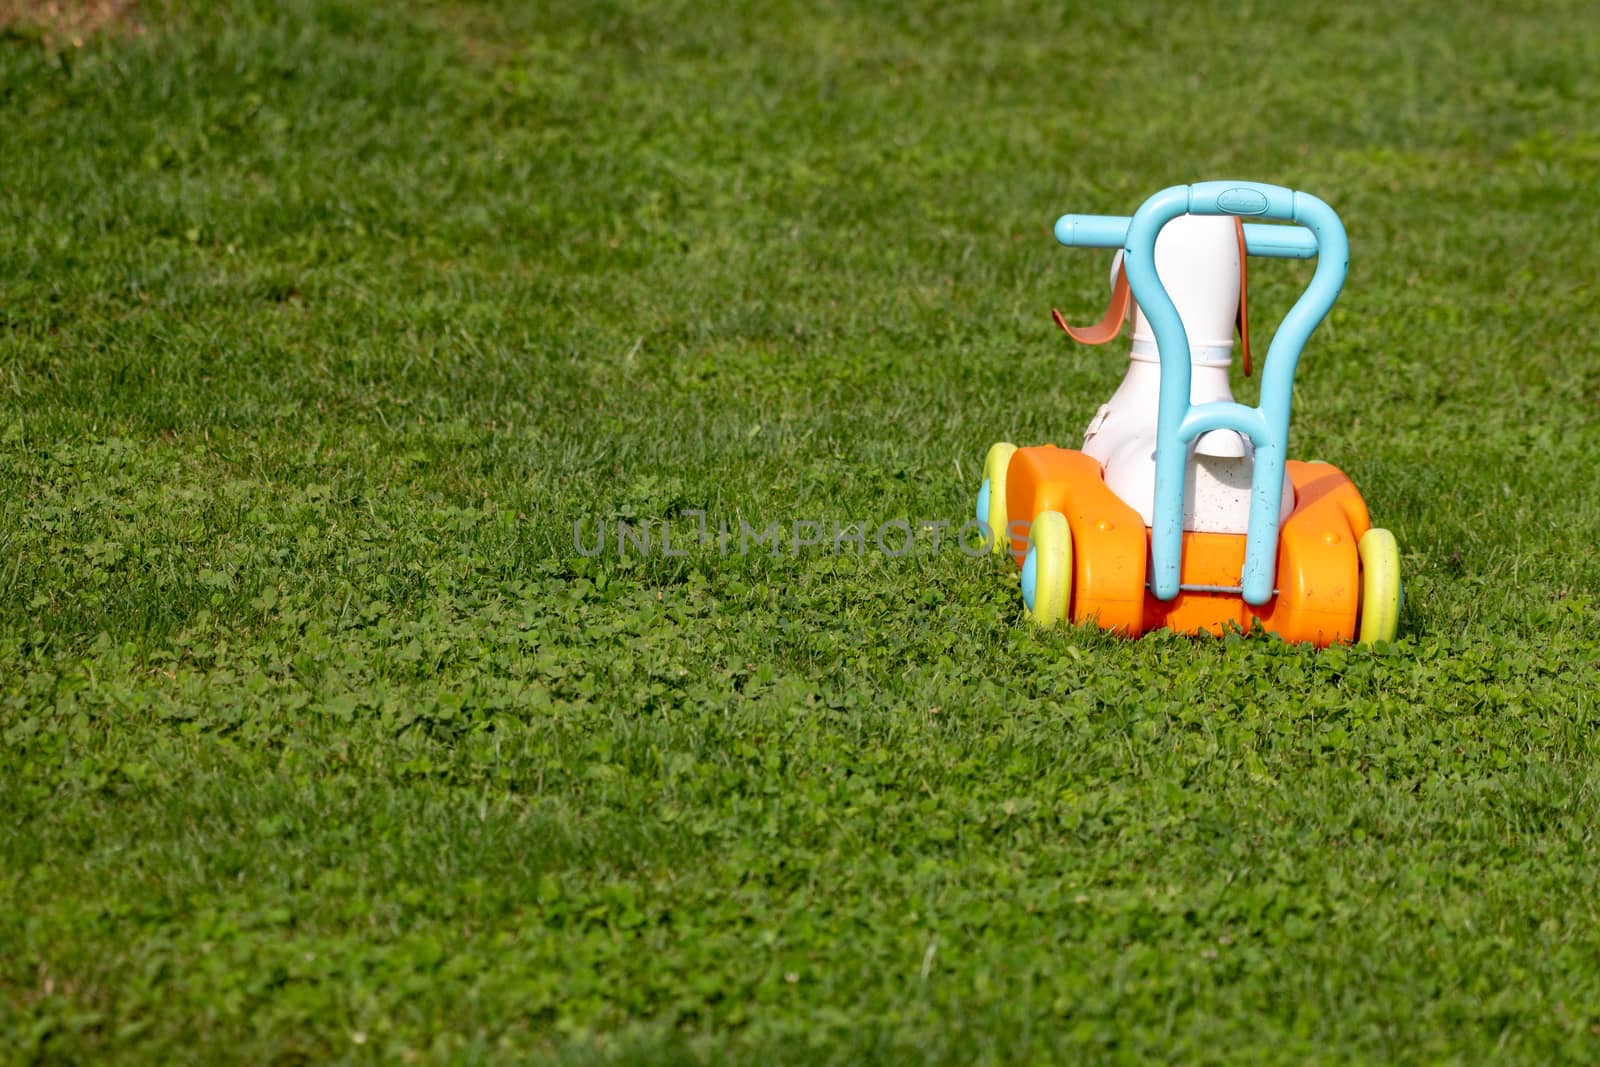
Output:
x=1092 y=231
x=1279 y=242
x=1111 y=231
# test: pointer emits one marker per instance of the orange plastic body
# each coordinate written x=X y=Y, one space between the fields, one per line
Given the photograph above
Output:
x=1319 y=571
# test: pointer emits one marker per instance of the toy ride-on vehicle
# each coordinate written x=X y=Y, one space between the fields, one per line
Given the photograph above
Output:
x=1181 y=510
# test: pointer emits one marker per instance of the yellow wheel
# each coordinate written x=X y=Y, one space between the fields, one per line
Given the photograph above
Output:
x=992 y=495
x=1047 y=570
x=1380 y=586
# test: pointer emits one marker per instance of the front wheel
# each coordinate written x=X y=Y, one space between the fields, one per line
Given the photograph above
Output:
x=992 y=495
x=1047 y=570
x=1381 y=590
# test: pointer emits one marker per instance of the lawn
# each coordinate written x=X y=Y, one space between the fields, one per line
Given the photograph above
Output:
x=322 y=737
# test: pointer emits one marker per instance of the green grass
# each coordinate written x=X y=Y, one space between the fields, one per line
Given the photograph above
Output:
x=321 y=323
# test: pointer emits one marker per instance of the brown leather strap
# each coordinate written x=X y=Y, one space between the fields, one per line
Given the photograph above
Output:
x=1243 y=320
x=1110 y=323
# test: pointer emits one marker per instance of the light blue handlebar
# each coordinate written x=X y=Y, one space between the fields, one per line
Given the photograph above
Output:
x=1177 y=420
x=1111 y=231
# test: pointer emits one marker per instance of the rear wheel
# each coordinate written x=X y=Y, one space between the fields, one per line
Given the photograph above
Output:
x=1047 y=570
x=1381 y=591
